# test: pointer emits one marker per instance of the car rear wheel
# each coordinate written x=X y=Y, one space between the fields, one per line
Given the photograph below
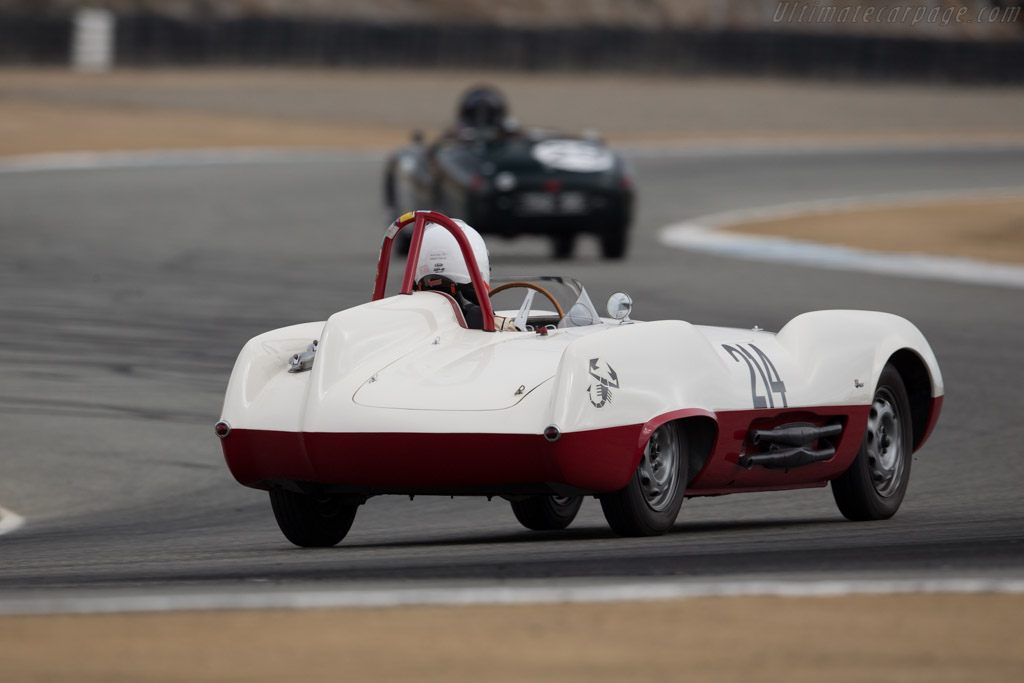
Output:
x=563 y=243
x=650 y=502
x=398 y=199
x=311 y=521
x=613 y=242
x=402 y=242
x=547 y=513
x=874 y=485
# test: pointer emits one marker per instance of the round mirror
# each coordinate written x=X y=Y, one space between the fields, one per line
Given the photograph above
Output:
x=619 y=305
x=579 y=316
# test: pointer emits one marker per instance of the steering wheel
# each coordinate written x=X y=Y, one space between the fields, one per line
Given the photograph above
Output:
x=528 y=285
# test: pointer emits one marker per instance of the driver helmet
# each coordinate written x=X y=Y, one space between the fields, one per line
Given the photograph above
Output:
x=482 y=106
x=440 y=266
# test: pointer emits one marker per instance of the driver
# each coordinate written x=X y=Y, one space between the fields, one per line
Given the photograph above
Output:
x=482 y=114
x=441 y=268
x=482 y=107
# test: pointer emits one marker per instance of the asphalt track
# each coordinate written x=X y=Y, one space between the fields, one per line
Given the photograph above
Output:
x=126 y=294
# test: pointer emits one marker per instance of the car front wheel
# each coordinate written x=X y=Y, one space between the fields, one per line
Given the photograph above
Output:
x=312 y=521
x=547 y=513
x=650 y=502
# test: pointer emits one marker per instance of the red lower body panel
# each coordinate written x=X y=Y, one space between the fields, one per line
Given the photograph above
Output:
x=722 y=472
x=599 y=460
x=933 y=418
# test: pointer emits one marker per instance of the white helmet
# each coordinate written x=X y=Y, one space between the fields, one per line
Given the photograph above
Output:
x=441 y=258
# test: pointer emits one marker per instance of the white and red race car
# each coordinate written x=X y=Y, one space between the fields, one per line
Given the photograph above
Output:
x=398 y=396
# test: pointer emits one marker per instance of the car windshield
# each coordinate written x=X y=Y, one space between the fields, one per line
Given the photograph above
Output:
x=575 y=305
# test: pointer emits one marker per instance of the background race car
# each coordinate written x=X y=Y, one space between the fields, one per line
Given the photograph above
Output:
x=507 y=181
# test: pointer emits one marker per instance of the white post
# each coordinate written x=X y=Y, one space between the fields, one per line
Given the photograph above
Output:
x=768 y=9
x=982 y=15
x=718 y=14
x=92 y=41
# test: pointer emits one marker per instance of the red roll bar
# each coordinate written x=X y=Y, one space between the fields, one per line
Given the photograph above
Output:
x=421 y=219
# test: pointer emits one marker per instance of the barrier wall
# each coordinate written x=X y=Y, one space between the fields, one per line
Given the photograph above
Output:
x=148 y=40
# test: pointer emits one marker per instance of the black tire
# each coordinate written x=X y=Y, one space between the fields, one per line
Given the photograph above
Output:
x=312 y=521
x=404 y=238
x=875 y=484
x=547 y=513
x=613 y=242
x=390 y=193
x=563 y=244
x=650 y=502
x=403 y=241
x=396 y=209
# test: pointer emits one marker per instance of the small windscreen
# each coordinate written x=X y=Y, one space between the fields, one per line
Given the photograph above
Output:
x=568 y=292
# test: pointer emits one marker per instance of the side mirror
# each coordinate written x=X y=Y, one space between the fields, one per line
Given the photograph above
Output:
x=417 y=137
x=619 y=306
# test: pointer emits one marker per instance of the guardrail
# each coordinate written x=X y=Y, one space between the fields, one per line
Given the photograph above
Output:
x=28 y=39
x=150 y=40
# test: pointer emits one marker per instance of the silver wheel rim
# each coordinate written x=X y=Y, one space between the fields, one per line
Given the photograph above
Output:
x=562 y=502
x=884 y=444
x=659 y=467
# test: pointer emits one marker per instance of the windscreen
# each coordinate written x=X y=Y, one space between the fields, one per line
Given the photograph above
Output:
x=568 y=292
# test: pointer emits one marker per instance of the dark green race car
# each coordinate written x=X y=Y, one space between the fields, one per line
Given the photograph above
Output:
x=508 y=182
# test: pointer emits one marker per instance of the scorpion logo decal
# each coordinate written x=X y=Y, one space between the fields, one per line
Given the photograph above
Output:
x=600 y=391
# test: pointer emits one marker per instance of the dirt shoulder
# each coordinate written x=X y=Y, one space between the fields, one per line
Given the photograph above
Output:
x=990 y=229
x=50 y=109
x=32 y=128
x=891 y=638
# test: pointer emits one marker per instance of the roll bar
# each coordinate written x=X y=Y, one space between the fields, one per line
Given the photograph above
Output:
x=420 y=219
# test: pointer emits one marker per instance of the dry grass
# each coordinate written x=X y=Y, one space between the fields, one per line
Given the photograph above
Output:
x=915 y=638
x=160 y=108
x=29 y=128
x=986 y=229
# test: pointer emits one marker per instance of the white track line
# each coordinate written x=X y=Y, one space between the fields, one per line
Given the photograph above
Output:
x=171 y=158
x=9 y=521
x=704 y=234
x=798 y=147
x=546 y=592
x=226 y=156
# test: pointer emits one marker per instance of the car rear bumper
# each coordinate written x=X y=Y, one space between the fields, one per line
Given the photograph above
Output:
x=505 y=214
x=410 y=463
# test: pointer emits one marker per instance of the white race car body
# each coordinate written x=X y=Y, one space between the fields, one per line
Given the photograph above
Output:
x=402 y=398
